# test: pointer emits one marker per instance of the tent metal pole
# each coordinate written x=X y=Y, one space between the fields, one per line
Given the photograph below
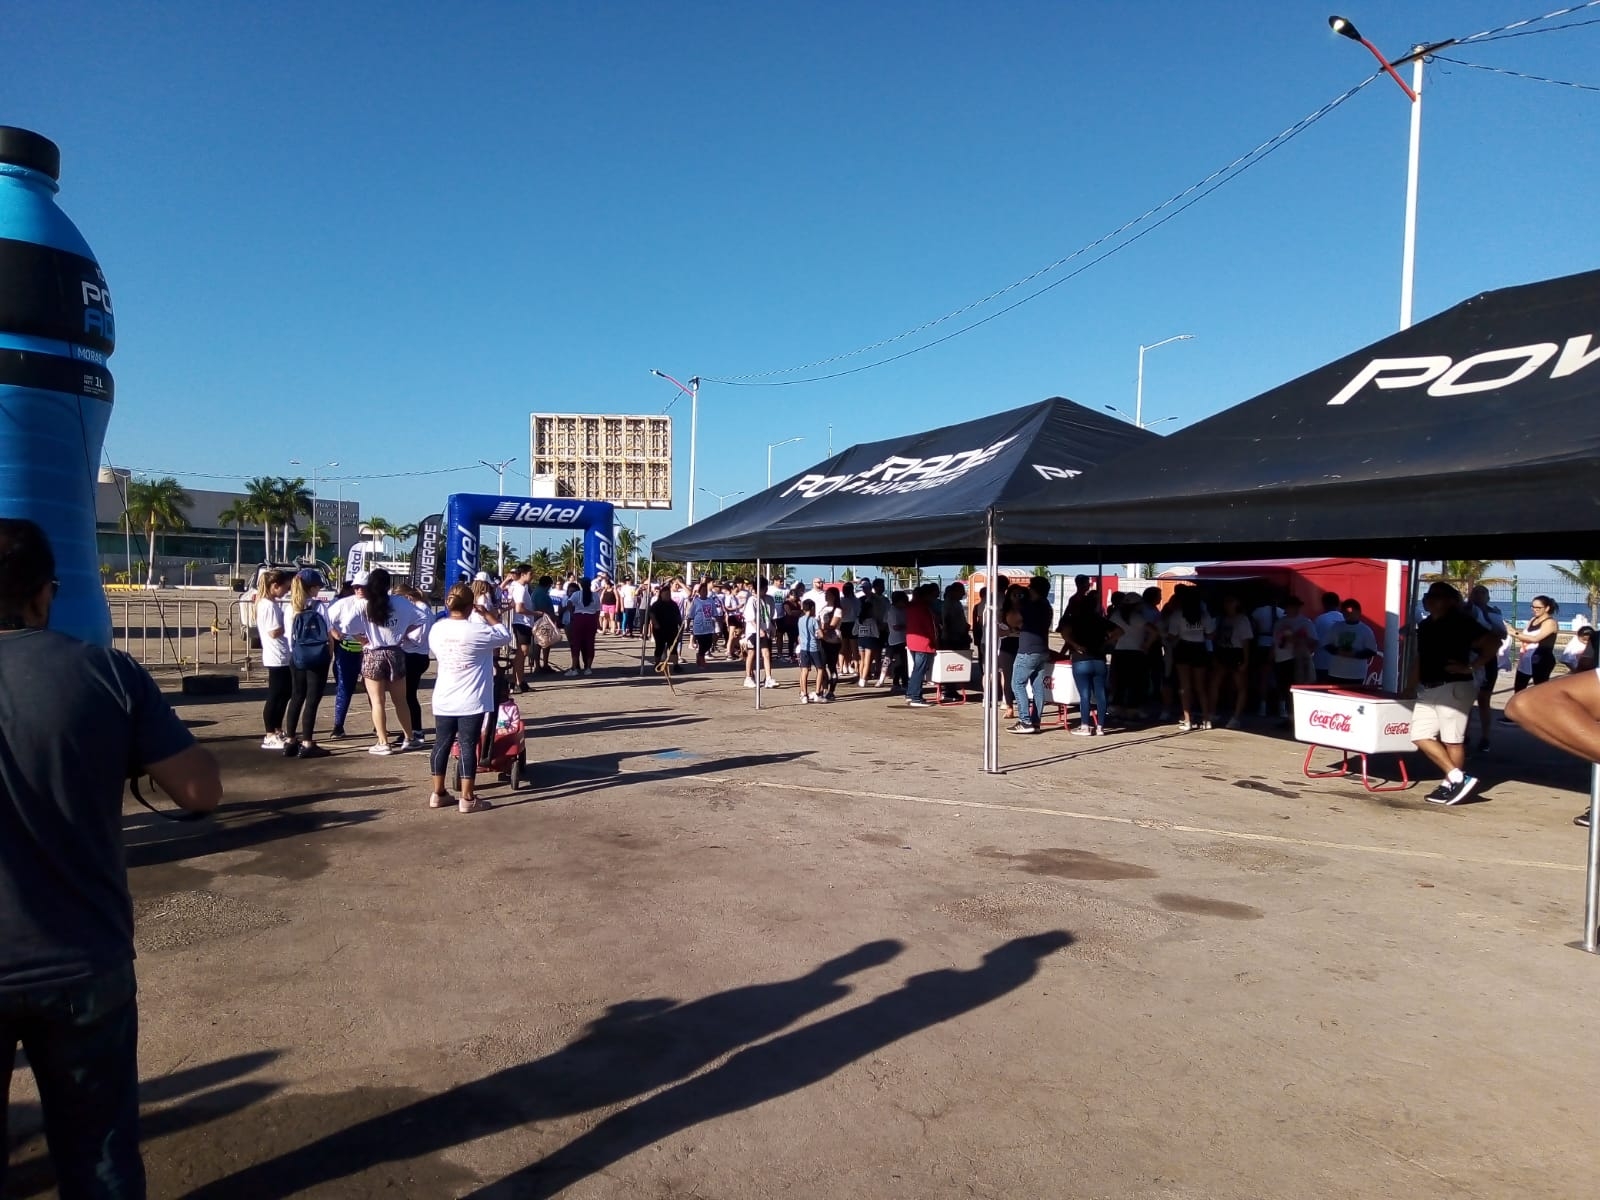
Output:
x=1402 y=672
x=759 y=611
x=992 y=685
x=1393 y=622
x=1591 y=904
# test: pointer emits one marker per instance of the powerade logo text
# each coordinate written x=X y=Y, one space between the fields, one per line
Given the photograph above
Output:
x=1492 y=369
x=427 y=558
x=97 y=318
x=896 y=475
x=522 y=512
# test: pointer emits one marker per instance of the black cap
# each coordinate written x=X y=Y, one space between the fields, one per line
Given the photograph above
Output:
x=24 y=148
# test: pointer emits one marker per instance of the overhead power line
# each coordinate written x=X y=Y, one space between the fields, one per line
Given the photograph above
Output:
x=1176 y=203
x=1586 y=87
x=324 y=478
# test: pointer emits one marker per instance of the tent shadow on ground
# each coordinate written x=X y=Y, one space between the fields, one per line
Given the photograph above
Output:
x=560 y=724
x=599 y=772
x=209 y=1092
x=640 y=1046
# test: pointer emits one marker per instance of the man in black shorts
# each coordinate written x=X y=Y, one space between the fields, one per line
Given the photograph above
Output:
x=74 y=721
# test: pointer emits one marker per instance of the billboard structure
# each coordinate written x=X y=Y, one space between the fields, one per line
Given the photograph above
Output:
x=624 y=460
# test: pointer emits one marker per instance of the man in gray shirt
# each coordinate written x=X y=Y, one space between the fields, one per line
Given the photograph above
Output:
x=75 y=722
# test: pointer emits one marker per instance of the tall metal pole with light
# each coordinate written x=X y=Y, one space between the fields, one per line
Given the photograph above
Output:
x=722 y=497
x=1344 y=27
x=1131 y=570
x=691 y=390
x=771 y=446
x=499 y=469
x=315 y=467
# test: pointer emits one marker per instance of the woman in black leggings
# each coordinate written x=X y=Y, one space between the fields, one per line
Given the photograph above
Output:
x=416 y=648
x=271 y=626
x=1541 y=635
x=308 y=666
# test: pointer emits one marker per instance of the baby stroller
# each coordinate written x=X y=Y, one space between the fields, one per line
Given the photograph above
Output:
x=502 y=748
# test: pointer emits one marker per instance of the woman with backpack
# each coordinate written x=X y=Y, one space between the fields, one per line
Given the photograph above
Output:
x=381 y=626
x=310 y=657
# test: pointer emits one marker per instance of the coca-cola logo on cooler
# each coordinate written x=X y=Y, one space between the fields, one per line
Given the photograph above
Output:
x=1338 y=722
x=1397 y=729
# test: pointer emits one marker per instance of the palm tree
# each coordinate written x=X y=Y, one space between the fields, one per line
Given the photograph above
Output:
x=261 y=497
x=1467 y=573
x=237 y=514
x=1584 y=573
x=570 y=557
x=629 y=547
x=157 y=506
x=542 y=562
x=293 y=501
x=381 y=528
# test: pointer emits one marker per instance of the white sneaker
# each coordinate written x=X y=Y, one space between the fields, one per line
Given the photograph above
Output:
x=771 y=682
x=379 y=750
x=1083 y=731
x=1184 y=726
x=1236 y=723
x=805 y=698
x=748 y=682
x=272 y=742
x=571 y=673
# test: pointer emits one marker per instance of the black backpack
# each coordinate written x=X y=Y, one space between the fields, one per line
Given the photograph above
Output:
x=308 y=640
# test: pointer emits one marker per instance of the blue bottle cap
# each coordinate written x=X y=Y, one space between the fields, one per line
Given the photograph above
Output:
x=24 y=148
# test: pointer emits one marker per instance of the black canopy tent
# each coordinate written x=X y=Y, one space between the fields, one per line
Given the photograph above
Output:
x=1476 y=431
x=924 y=497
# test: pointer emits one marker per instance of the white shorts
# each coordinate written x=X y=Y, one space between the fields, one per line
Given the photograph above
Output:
x=1442 y=712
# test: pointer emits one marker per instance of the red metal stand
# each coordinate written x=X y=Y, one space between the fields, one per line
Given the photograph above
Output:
x=1344 y=769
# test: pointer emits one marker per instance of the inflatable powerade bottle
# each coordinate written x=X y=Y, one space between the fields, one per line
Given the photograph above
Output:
x=56 y=332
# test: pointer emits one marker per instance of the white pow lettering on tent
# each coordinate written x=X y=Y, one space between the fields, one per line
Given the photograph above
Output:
x=1445 y=377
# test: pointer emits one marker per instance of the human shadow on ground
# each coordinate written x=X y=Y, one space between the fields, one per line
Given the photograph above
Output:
x=578 y=775
x=640 y=1046
x=785 y=1064
x=208 y=1092
x=152 y=842
x=560 y=724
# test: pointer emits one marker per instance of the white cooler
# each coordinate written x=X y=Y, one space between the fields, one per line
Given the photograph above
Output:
x=952 y=667
x=1356 y=723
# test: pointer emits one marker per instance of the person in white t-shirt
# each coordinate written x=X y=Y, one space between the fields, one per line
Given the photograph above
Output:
x=1189 y=627
x=1351 y=646
x=704 y=611
x=463 y=694
x=272 y=624
x=627 y=601
x=381 y=627
x=1294 y=642
x=817 y=595
x=521 y=625
x=758 y=636
x=1263 y=620
x=1326 y=622
x=583 y=622
x=1231 y=645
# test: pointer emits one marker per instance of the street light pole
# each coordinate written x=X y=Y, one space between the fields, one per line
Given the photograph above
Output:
x=773 y=446
x=499 y=469
x=1138 y=393
x=315 y=468
x=1392 y=567
x=722 y=497
x=692 y=390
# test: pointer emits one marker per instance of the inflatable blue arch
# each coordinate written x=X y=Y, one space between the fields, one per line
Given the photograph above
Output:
x=465 y=514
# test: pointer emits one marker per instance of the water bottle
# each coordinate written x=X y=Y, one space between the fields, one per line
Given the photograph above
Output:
x=56 y=331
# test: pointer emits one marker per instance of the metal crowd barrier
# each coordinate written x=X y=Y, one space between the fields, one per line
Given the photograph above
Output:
x=181 y=633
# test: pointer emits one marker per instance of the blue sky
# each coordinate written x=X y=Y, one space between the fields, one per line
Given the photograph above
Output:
x=384 y=234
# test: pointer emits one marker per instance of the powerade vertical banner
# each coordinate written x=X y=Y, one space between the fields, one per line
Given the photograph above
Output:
x=425 y=575
x=56 y=332
x=465 y=513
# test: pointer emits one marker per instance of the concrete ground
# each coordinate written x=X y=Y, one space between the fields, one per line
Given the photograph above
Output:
x=812 y=952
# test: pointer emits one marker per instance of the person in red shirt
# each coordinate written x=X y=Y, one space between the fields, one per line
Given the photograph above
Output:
x=922 y=639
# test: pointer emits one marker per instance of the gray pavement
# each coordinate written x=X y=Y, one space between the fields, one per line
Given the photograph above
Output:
x=813 y=952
